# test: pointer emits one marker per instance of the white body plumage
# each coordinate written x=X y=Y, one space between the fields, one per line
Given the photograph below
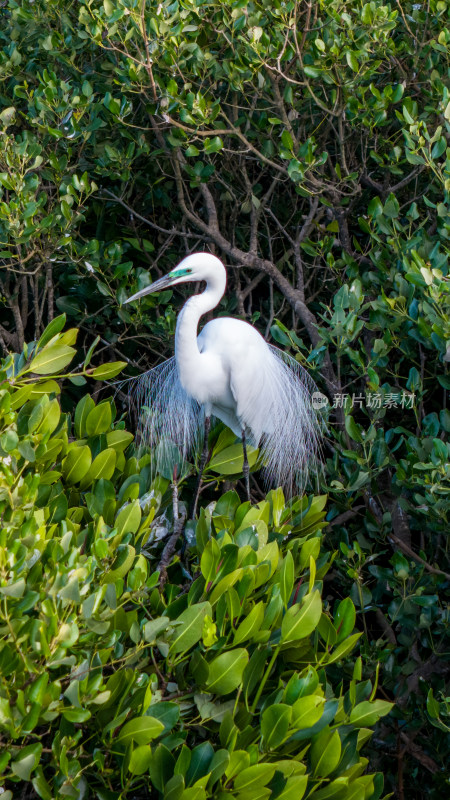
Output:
x=229 y=371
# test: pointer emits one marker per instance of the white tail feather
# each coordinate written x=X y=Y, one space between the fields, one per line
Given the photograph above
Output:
x=165 y=414
x=291 y=448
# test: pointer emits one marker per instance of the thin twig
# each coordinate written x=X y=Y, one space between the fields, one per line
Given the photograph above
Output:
x=410 y=552
x=178 y=524
x=385 y=627
x=145 y=220
x=346 y=515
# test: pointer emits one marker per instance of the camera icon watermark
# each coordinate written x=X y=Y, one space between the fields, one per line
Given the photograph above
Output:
x=319 y=400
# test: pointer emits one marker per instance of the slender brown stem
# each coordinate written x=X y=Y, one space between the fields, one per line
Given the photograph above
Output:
x=178 y=524
x=203 y=460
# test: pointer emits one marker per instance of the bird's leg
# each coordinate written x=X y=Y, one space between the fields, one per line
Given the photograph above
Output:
x=245 y=467
x=203 y=460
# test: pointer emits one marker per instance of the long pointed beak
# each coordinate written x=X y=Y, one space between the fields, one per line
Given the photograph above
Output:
x=157 y=286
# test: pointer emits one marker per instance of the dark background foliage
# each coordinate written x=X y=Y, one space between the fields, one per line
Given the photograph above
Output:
x=306 y=144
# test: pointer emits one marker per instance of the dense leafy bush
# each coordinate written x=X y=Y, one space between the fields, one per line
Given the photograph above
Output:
x=234 y=682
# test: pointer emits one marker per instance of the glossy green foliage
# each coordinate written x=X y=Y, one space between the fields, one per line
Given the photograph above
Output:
x=214 y=684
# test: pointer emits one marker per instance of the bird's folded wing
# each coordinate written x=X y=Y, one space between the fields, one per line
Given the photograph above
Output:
x=254 y=382
x=273 y=398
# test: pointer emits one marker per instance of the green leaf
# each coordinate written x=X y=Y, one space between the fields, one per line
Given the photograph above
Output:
x=154 y=627
x=40 y=786
x=52 y=359
x=286 y=140
x=218 y=766
x=254 y=670
x=439 y=147
x=250 y=625
x=343 y=648
x=302 y=618
x=226 y=506
x=327 y=630
x=214 y=145
x=432 y=705
x=162 y=767
x=209 y=561
x=224 y=585
x=188 y=630
x=20 y=397
x=110 y=102
x=140 y=244
x=225 y=672
x=27 y=761
x=325 y=753
x=99 y=419
x=106 y=371
x=7 y=116
x=37 y=689
x=128 y=519
x=46 y=387
x=54 y=327
x=102 y=466
x=76 y=464
x=275 y=722
x=231 y=460
x=312 y=72
x=367 y=713
x=201 y=757
x=353 y=429
x=307 y=711
x=294 y=788
x=119 y=440
x=194 y=793
x=344 y=619
x=50 y=418
x=174 y=788
x=9 y=441
x=141 y=730
x=76 y=715
x=375 y=207
x=121 y=565
x=251 y=779
x=167 y=712
x=25 y=449
x=286 y=579
x=15 y=589
x=140 y=759
x=391 y=207
x=83 y=409
x=352 y=61
x=86 y=88
x=413 y=382
x=409 y=119
x=367 y=14
x=239 y=759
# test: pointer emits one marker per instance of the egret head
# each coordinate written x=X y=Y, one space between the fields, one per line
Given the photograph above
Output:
x=196 y=267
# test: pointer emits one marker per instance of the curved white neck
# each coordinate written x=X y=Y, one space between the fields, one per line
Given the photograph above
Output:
x=187 y=353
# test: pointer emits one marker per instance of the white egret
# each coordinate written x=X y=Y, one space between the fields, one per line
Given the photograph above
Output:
x=230 y=372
